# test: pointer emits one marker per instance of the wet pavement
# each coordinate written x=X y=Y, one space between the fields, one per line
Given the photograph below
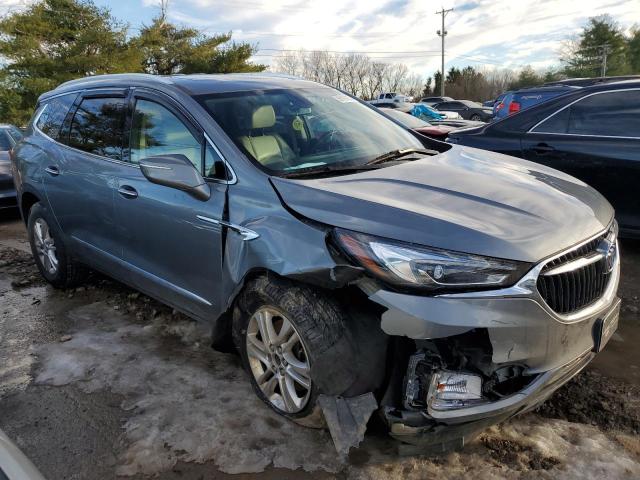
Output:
x=101 y=381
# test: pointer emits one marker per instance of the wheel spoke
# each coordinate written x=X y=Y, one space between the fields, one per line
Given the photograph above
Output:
x=51 y=255
x=285 y=392
x=38 y=231
x=269 y=387
x=254 y=352
x=285 y=333
x=265 y=324
x=298 y=376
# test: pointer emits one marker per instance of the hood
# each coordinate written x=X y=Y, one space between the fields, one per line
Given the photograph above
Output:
x=465 y=199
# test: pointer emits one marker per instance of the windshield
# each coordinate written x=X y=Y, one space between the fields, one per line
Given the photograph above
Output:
x=406 y=119
x=285 y=130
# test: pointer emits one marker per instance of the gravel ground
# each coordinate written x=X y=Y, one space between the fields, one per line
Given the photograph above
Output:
x=101 y=381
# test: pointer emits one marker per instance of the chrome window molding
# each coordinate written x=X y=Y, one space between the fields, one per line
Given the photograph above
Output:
x=99 y=157
x=210 y=142
x=531 y=130
x=527 y=287
x=229 y=181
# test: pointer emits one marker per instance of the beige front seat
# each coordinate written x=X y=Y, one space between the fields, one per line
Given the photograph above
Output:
x=269 y=149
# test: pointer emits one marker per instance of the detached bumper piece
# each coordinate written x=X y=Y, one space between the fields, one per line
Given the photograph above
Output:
x=451 y=424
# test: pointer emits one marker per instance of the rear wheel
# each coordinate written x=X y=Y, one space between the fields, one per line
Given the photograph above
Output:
x=475 y=117
x=49 y=251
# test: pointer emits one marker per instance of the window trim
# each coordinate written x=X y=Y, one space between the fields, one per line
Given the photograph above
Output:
x=92 y=94
x=129 y=95
x=589 y=135
x=100 y=157
x=162 y=99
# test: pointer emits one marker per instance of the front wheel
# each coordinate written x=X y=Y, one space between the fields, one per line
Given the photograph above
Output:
x=475 y=118
x=297 y=342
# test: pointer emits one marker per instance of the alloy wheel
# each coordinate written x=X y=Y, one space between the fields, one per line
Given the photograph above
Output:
x=278 y=360
x=45 y=246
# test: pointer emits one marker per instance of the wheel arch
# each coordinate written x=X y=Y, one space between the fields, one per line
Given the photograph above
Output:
x=27 y=200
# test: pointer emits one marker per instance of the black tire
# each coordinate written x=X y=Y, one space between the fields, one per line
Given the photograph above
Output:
x=69 y=272
x=338 y=364
x=475 y=118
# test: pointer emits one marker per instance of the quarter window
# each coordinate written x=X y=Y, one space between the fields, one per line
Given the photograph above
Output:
x=98 y=127
x=52 y=117
x=610 y=114
x=157 y=131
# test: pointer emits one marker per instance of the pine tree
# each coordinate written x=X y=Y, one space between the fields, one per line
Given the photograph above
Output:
x=53 y=41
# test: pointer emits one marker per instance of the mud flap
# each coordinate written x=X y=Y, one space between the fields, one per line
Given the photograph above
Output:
x=347 y=419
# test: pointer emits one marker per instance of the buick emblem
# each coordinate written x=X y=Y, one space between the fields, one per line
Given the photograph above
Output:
x=608 y=248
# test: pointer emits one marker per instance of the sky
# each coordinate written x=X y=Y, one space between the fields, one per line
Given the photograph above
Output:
x=484 y=33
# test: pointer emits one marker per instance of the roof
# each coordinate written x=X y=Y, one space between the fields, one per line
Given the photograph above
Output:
x=195 y=84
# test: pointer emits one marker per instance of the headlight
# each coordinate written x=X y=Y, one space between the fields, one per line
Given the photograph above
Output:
x=414 y=266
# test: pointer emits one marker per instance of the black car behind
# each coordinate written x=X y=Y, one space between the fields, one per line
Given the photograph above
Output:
x=592 y=133
x=467 y=109
x=9 y=136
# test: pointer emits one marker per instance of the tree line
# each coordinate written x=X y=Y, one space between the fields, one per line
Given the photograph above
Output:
x=582 y=56
x=53 y=41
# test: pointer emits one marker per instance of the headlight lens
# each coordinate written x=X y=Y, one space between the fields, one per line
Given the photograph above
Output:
x=413 y=266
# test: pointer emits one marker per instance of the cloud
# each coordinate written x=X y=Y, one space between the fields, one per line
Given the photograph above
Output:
x=489 y=32
x=486 y=33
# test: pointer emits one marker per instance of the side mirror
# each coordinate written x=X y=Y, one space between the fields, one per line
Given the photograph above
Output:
x=175 y=171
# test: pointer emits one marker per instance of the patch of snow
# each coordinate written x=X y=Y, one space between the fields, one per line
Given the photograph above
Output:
x=189 y=403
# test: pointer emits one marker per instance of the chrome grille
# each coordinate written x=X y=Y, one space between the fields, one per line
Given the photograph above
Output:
x=579 y=277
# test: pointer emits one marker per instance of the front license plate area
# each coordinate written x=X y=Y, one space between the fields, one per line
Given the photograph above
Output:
x=604 y=328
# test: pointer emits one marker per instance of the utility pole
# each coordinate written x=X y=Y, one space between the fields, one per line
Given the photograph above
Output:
x=605 y=51
x=442 y=33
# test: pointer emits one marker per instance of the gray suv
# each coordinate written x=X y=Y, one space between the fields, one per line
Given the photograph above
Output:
x=342 y=255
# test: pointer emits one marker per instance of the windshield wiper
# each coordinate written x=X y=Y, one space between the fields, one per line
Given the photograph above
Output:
x=395 y=154
x=370 y=165
x=330 y=169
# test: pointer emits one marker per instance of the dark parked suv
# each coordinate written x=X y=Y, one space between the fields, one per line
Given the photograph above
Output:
x=355 y=266
x=592 y=133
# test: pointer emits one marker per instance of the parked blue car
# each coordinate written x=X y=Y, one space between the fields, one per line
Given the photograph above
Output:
x=426 y=113
x=513 y=102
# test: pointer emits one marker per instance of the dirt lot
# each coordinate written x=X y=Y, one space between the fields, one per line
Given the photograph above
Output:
x=101 y=381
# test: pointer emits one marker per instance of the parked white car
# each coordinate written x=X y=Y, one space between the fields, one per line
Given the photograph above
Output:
x=387 y=97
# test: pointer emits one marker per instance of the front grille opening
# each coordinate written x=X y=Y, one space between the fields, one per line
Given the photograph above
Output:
x=574 y=290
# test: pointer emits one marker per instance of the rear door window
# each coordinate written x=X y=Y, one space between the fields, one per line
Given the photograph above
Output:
x=97 y=126
x=608 y=114
x=53 y=114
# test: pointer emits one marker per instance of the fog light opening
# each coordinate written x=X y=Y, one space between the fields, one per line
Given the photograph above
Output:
x=451 y=390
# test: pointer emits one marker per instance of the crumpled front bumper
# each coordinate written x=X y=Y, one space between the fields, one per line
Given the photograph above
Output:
x=521 y=327
x=460 y=424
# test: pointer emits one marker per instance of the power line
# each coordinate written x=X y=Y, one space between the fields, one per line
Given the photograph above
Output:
x=345 y=51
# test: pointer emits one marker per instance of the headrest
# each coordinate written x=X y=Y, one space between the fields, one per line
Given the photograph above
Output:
x=263 y=117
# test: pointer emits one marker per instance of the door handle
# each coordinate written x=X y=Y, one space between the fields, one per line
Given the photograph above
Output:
x=543 y=149
x=128 y=191
x=52 y=170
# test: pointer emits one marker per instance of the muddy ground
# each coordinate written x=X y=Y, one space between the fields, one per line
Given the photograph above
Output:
x=101 y=382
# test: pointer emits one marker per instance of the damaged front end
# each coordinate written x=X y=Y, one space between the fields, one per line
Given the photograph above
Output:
x=474 y=359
